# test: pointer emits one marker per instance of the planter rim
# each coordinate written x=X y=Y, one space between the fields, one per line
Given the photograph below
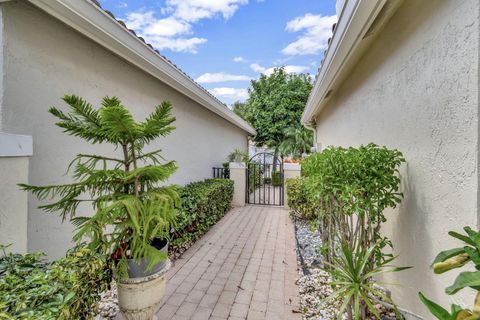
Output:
x=147 y=278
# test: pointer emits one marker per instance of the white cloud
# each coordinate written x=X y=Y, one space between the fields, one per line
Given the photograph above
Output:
x=235 y=94
x=239 y=59
x=317 y=29
x=122 y=5
x=268 y=71
x=173 y=31
x=194 y=10
x=221 y=77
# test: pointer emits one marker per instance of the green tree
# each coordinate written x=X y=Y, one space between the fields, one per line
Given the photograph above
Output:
x=276 y=102
x=131 y=209
x=239 y=108
x=297 y=142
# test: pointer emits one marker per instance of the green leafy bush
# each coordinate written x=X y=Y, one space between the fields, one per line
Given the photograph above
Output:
x=255 y=176
x=276 y=178
x=354 y=186
x=457 y=258
x=68 y=288
x=345 y=192
x=203 y=204
x=303 y=204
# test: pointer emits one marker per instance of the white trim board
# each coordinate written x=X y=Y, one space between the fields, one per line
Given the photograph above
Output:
x=15 y=145
x=87 y=18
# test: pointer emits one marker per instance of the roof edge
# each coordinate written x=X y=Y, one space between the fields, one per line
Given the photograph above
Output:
x=89 y=19
x=355 y=30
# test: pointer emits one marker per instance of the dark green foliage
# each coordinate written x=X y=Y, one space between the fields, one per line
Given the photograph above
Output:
x=255 y=176
x=354 y=182
x=239 y=108
x=276 y=102
x=457 y=258
x=300 y=201
x=345 y=191
x=203 y=204
x=131 y=208
x=276 y=178
x=68 y=288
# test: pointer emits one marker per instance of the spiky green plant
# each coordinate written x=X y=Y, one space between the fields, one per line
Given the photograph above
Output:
x=353 y=282
x=297 y=142
x=130 y=208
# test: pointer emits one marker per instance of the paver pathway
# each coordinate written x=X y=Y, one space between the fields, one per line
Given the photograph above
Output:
x=243 y=268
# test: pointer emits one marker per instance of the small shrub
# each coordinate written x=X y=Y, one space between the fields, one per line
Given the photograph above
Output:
x=203 y=204
x=68 y=288
x=354 y=186
x=300 y=200
x=255 y=176
x=276 y=178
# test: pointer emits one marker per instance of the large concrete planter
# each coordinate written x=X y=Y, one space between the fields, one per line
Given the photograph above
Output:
x=140 y=298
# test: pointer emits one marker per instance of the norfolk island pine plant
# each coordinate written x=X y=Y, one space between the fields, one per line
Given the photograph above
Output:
x=130 y=209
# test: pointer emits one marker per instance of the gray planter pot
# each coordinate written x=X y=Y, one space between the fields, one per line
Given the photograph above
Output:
x=139 y=270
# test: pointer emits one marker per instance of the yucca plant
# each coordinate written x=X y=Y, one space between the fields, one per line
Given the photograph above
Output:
x=353 y=282
x=130 y=208
x=456 y=258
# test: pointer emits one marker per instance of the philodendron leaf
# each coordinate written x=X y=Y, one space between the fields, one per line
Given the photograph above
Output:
x=447 y=254
x=439 y=312
x=465 y=279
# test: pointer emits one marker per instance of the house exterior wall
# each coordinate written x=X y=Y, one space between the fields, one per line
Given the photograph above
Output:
x=416 y=89
x=13 y=203
x=43 y=60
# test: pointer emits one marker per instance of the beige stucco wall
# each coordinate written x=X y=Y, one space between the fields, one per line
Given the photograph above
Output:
x=416 y=89
x=13 y=203
x=44 y=60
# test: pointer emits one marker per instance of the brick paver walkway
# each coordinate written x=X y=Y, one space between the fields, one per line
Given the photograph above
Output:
x=243 y=268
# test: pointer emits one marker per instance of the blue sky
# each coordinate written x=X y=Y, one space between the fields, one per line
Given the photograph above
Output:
x=223 y=44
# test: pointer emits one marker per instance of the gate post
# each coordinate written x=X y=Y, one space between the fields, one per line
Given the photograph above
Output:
x=290 y=170
x=238 y=175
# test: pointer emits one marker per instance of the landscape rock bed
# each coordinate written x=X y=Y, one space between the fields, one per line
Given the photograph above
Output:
x=314 y=282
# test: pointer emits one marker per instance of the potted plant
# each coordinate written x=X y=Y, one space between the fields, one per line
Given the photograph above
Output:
x=133 y=215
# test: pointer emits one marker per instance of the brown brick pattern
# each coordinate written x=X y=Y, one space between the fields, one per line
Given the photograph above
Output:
x=243 y=268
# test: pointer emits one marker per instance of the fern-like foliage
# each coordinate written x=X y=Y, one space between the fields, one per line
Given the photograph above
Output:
x=130 y=207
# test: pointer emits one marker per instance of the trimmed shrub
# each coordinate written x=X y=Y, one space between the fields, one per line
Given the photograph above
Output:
x=68 y=288
x=302 y=202
x=203 y=204
x=276 y=178
x=255 y=176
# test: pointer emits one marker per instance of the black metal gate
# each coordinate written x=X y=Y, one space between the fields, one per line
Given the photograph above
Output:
x=265 y=180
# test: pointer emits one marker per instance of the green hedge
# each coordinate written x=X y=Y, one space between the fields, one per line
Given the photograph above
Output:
x=301 y=201
x=68 y=288
x=203 y=204
x=276 y=178
x=255 y=176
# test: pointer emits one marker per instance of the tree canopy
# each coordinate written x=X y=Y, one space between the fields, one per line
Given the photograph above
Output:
x=276 y=103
